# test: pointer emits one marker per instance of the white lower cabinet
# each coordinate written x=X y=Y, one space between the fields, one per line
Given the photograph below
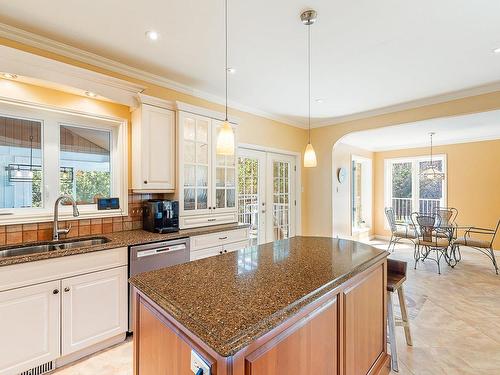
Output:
x=69 y=306
x=94 y=308
x=29 y=326
x=219 y=243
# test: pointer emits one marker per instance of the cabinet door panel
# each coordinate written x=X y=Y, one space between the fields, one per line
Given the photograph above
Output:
x=29 y=327
x=364 y=323
x=307 y=348
x=94 y=308
x=205 y=253
x=159 y=148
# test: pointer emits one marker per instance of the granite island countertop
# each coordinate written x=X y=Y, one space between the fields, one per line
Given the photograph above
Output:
x=228 y=301
x=119 y=239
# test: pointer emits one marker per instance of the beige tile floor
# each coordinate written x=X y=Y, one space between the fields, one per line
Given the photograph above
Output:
x=455 y=321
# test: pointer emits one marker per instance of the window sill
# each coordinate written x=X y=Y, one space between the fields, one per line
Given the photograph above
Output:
x=45 y=216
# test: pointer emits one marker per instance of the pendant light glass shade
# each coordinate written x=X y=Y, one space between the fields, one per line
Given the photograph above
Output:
x=310 y=157
x=432 y=173
x=225 y=140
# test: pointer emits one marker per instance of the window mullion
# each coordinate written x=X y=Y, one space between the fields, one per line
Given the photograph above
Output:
x=51 y=162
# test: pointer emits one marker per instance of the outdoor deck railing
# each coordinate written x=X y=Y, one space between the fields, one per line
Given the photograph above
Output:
x=403 y=207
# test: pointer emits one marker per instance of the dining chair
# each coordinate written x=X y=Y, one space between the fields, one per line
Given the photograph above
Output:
x=429 y=240
x=483 y=241
x=398 y=231
x=447 y=217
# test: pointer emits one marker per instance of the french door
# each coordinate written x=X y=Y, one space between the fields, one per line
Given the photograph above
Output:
x=266 y=197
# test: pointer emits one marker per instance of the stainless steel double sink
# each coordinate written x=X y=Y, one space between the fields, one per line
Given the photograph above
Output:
x=44 y=247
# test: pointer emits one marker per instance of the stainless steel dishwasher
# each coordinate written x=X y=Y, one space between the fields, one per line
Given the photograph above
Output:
x=153 y=256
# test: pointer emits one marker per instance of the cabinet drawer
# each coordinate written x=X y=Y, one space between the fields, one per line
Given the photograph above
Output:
x=204 y=220
x=218 y=239
x=236 y=246
x=205 y=253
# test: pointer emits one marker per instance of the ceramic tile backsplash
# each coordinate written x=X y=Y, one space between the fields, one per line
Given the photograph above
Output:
x=16 y=234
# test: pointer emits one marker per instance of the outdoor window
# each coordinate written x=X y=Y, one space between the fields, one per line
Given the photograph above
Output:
x=44 y=154
x=407 y=191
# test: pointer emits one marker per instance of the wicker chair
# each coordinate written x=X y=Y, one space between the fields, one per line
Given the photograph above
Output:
x=398 y=232
x=483 y=242
x=429 y=240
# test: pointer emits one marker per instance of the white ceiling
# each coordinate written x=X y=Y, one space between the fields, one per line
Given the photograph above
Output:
x=449 y=130
x=367 y=54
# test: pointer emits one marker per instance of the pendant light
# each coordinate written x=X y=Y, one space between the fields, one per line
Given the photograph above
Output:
x=225 y=139
x=308 y=18
x=432 y=173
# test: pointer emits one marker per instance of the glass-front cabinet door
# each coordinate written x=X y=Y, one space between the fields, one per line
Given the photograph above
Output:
x=225 y=176
x=196 y=161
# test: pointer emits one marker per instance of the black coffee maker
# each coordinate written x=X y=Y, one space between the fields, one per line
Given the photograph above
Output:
x=161 y=216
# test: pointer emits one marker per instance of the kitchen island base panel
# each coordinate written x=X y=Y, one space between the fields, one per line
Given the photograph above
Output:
x=342 y=332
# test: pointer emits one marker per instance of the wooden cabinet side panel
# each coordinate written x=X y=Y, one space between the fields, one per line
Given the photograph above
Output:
x=159 y=350
x=308 y=347
x=364 y=323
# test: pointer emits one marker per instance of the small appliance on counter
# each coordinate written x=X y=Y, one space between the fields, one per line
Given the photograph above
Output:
x=161 y=216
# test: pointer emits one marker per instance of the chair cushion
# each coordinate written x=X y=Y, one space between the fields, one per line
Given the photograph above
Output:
x=403 y=234
x=467 y=241
x=437 y=242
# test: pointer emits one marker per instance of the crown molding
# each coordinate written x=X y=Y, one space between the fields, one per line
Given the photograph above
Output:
x=65 y=50
x=62 y=49
x=437 y=99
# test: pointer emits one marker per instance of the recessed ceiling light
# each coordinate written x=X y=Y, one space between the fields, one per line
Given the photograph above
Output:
x=152 y=35
x=320 y=101
x=231 y=70
x=90 y=94
x=496 y=50
x=9 y=75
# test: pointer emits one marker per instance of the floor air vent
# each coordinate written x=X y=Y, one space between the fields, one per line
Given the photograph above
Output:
x=39 y=370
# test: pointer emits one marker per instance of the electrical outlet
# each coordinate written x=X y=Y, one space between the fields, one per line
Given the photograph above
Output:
x=198 y=363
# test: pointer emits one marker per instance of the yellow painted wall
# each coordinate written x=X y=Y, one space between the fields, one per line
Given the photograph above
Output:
x=342 y=218
x=317 y=211
x=317 y=182
x=473 y=182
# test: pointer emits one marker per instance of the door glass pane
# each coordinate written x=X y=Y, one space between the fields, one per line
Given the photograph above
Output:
x=230 y=195
x=220 y=198
x=202 y=131
x=281 y=200
x=201 y=199
x=219 y=177
x=189 y=199
x=189 y=148
x=20 y=163
x=357 y=217
x=189 y=179
x=201 y=175
x=189 y=129
x=401 y=190
x=431 y=190
x=85 y=162
x=248 y=199
x=230 y=178
x=202 y=153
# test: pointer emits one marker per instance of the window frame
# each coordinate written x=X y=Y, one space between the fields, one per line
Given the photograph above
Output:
x=51 y=119
x=414 y=160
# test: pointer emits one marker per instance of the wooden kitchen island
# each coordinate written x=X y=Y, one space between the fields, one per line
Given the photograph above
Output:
x=305 y=306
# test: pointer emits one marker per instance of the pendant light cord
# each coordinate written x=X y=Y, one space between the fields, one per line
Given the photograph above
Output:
x=309 y=78
x=225 y=27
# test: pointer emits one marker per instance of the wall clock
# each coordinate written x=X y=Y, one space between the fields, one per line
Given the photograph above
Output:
x=341 y=174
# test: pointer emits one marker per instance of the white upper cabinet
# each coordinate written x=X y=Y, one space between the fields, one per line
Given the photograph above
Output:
x=153 y=146
x=207 y=181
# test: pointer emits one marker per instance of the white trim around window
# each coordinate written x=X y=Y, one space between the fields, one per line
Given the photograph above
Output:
x=388 y=163
x=51 y=120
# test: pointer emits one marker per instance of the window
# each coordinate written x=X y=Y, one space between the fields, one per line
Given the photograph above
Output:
x=361 y=193
x=407 y=191
x=44 y=154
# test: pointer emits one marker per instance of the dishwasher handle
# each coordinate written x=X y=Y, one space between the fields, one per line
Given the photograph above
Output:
x=160 y=250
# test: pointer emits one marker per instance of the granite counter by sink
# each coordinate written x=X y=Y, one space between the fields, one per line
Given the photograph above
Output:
x=228 y=301
x=119 y=239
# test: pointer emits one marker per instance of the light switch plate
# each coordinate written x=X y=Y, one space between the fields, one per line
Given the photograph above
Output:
x=197 y=362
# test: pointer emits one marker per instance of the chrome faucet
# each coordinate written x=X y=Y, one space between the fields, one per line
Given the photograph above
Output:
x=58 y=231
